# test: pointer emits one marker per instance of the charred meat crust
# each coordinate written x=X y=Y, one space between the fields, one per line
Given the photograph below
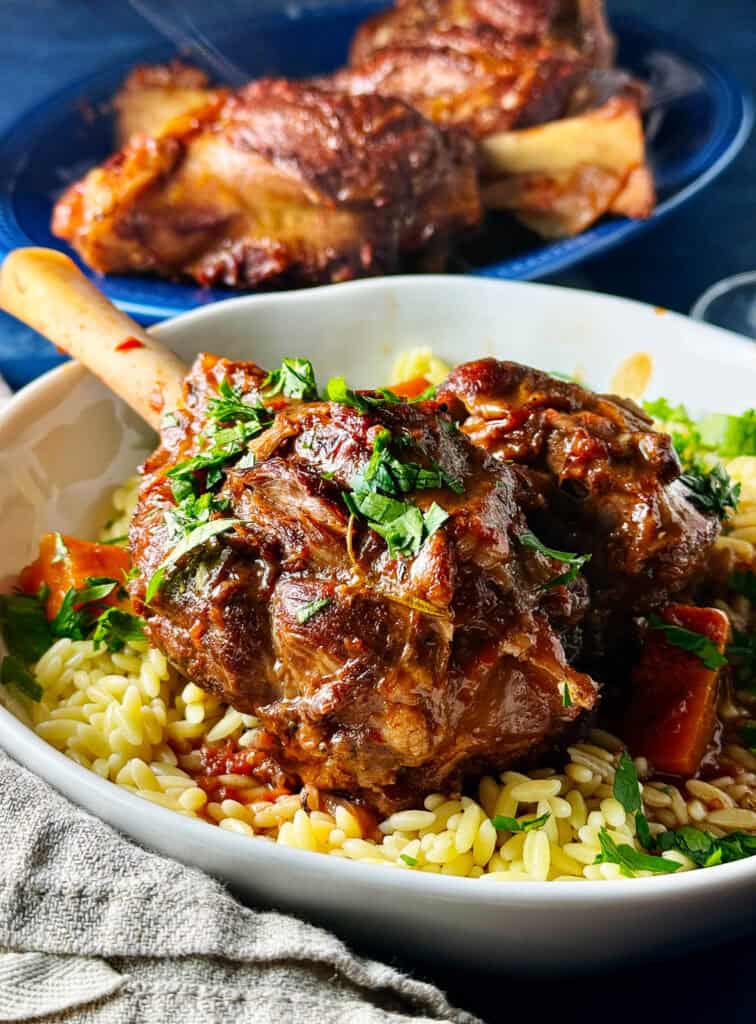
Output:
x=281 y=183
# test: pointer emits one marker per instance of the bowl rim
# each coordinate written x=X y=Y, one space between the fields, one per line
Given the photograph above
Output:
x=330 y=869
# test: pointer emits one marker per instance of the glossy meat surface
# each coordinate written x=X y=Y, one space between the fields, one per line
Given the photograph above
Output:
x=608 y=483
x=560 y=130
x=412 y=670
x=472 y=77
x=578 y=23
x=279 y=183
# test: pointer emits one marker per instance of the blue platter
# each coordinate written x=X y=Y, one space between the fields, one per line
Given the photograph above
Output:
x=691 y=139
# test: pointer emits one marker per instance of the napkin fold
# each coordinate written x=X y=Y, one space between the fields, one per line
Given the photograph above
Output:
x=96 y=929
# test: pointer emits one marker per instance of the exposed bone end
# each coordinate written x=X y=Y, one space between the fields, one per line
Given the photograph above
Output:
x=46 y=290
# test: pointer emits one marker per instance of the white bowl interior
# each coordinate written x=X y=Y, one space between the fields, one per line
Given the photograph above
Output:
x=65 y=443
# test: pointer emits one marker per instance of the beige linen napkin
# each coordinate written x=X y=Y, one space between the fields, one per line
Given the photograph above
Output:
x=93 y=928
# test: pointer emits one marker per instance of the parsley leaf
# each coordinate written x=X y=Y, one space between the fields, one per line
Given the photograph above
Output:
x=24 y=625
x=307 y=611
x=14 y=673
x=566 y=695
x=228 y=443
x=197 y=537
x=192 y=512
x=626 y=789
x=337 y=391
x=688 y=640
x=631 y=860
x=502 y=823
x=713 y=491
x=231 y=406
x=706 y=850
x=575 y=562
x=295 y=378
x=116 y=628
x=411 y=861
x=78 y=611
x=377 y=495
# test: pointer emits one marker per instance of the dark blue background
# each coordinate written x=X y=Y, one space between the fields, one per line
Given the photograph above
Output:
x=47 y=43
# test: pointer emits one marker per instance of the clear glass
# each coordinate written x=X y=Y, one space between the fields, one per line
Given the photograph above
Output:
x=730 y=303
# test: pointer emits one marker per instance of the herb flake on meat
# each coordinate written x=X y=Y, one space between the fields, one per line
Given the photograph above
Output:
x=308 y=611
x=295 y=378
x=200 y=535
x=573 y=561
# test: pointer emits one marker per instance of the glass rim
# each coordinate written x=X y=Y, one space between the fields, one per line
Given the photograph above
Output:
x=717 y=290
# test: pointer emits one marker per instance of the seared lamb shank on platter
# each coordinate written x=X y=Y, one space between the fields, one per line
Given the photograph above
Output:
x=559 y=130
x=279 y=183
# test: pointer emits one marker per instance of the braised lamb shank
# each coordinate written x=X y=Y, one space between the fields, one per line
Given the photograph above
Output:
x=378 y=672
x=606 y=482
x=279 y=183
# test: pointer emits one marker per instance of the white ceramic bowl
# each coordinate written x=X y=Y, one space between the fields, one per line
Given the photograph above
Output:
x=66 y=442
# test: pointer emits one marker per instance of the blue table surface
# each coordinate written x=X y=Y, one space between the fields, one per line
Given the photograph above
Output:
x=47 y=43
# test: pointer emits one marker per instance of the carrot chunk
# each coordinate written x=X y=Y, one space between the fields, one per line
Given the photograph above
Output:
x=410 y=388
x=673 y=706
x=65 y=563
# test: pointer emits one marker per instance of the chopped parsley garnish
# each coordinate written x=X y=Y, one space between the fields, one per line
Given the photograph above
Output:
x=61 y=549
x=337 y=391
x=378 y=495
x=411 y=861
x=711 y=491
x=14 y=673
x=24 y=625
x=388 y=474
x=308 y=611
x=200 y=535
x=626 y=789
x=116 y=628
x=631 y=860
x=295 y=378
x=28 y=634
x=193 y=512
x=688 y=640
x=227 y=444
x=706 y=850
x=80 y=610
x=574 y=562
x=231 y=406
x=504 y=824
x=566 y=695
